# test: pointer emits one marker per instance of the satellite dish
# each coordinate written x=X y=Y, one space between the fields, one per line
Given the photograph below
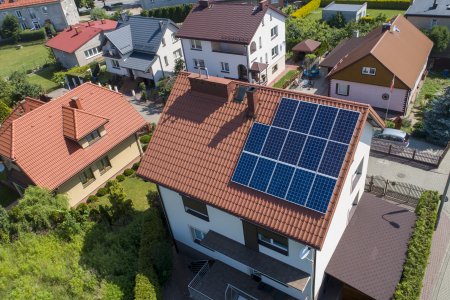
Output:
x=305 y=252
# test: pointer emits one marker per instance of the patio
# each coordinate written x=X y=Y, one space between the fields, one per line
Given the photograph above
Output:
x=317 y=86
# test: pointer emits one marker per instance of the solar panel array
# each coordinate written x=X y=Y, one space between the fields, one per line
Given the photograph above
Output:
x=299 y=157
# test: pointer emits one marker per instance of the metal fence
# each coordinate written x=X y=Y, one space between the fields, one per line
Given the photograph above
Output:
x=382 y=146
x=193 y=285
x=400 y=192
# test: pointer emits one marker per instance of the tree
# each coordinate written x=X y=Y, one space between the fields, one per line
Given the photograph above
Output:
x=121 y=209
x=98 y=13
x=179 y=66
x=5 y=111
x=10 y=28
x=337 y=20
x=22 y=88
x=84 y=3
x=5 y=225
x=437 y=119
x=5 y=91
x=440 y=35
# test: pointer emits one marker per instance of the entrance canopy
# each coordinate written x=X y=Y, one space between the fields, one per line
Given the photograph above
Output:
x=258 y=67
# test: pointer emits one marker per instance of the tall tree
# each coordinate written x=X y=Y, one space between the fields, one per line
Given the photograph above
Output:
x=437 y=119
x=22 y=88
x=10 y=28
x=440 y=35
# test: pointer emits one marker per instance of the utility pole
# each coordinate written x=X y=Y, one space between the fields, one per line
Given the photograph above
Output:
x=444 y=199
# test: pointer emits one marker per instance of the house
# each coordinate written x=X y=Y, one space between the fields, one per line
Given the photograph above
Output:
x=244 y=179
x=350 y=12
x=73 y=144
x=151 y=4
x=425 y=14
x=80 y=44
x=32 y=14
x=143 y=48
x=238 y=41
x=383 y=68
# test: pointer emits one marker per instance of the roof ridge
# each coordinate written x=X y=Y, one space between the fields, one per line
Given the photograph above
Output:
x=101 y=86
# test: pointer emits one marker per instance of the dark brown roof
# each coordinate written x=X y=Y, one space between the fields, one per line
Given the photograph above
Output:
x=371 y=253
x=258 y=67
x=224 y=22
x=341 y=50
x=404 y=52
x=197 y=144
x=307 y=46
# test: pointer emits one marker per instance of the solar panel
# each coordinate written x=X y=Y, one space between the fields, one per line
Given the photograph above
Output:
x=299 y=156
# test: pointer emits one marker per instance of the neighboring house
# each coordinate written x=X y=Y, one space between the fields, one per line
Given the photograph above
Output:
x=239 y=41
x=350 y=12
x=80 y=44
x=142 y=47
x=264 y=181
x=382 y=69
x=32 y=14
x=425 y=14
x=73 y=144
x=150 y=4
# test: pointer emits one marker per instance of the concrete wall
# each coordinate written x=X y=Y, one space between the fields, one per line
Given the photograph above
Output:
x=341 y=215
x=67 y=60
x=119 y=157
x=231 y=227
x=149 y=4
x=61 y=14
x=327 y=14
x=426 y=22
x=371 y=94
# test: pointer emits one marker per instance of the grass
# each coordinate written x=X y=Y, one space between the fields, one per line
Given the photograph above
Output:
x=44 y=78
x=433 y=85
x=29 y=57
x=317 y=14
x=286 y=79
x=7 y=196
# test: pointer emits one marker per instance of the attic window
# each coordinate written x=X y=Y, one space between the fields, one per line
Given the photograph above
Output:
x=93 y=137
x=369 y=71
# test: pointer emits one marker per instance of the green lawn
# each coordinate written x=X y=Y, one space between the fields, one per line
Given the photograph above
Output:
x=44 y=78
x=434 y=85
x=317 y=14
x=7 y=196
x=27 y=58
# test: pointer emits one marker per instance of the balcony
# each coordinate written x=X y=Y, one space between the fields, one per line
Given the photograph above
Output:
x=228 y=48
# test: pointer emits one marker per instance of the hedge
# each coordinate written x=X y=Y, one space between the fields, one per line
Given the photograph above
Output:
x=32 y=35
x=306 y=9
x=287 y=79
x=176 y=13
x=419 y=248
x=373 y=4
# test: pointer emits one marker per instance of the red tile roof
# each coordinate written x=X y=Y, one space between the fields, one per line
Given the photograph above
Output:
x=21 y=3
x=36 y=140
x=197 y=144
x=69 y=40
x=78 y=123
x=234 y=23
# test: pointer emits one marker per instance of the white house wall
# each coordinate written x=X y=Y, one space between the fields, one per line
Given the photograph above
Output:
x=167 y=51
x=341 y=215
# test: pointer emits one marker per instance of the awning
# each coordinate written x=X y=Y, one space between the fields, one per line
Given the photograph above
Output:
x=138 y=61
x=258 y=67
x=306 y=46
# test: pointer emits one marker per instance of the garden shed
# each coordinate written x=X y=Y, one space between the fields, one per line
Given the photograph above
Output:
x=305 y=47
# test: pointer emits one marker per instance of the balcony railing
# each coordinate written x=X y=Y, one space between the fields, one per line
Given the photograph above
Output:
x=233 y=293
x=192 y=286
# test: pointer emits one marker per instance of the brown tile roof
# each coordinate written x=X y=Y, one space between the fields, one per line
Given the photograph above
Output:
x=36 y=140
x=403 y=52
x=198 y=141
x=21 y=3
x=307 y=46
x=341 y=50
x=78 y=123
x=371 y=253
x=224 y=22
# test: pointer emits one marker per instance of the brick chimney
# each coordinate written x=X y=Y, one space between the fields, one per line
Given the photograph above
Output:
x=75 y=102
x=203 y=3
x=262 y=3
x=215 y=86
x=77 y=30
x=252 y=100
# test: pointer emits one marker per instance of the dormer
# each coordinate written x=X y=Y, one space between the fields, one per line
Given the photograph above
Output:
x=81 y=126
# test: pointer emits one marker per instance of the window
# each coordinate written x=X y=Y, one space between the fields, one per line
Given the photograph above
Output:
x=274 y=51
x=92 y=52
x=252 y=47
x=267 y=59
x=357 y=175
x=274 y=32
x=260 y=43
x=23 y=26
x=196 y=45
x=36 y=25
x=274 y=69
x=262 y=22
x=93 y=137
x=368 y=71
x=32 y=14
x=195 y=207
x=177 y=54
x=260 y=59
x=163 y=42
x=270 y=17
x=225 y=67
x=199 y=63
x=166 y=61
x=115 y=64
x=18 y=13
x=342 y=89
x=273 y=241
x=197 y=234
x=87 y=177
x=44 y=9
x=104 y=165
x=174 y=38
x=434 y=22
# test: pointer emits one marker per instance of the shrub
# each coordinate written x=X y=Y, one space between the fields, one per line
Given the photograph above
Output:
x=437 y=119
x=176 y=13
x=418 y=129
x=98 y=13
x=419 y=247
x=32 y=35
x=5 y=111
x=136 y=166
x=287 y=79
x=128 y=172
x=101 y=192
x=92 y=198
x=373 y=4
x=69 y=227
x=144 y=148
x=10 y=28
x=146 y=286
x=121 y=209
x=5 y=225
x=389 y=124
x=440 y=35
x=306 y=9
x=120 y=178
x=145 y=139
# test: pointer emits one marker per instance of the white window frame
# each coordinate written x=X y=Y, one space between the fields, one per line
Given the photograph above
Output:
x=369 y=71
x=199 y=63
x=19 y=14
x=196 y=45
x=89 y=53
x=88 y=179
x=274 y=32
x=274 y=68
x=93 y=137
x=339 y=90
x=225 y=67
x=197 y=234
x=275 y=51
x=115 y=64
x=174 y=38
x=163 y=42
x=36 y=25
x=166 y=61
x=272 y=242
x=104 y=164
x=177 y=54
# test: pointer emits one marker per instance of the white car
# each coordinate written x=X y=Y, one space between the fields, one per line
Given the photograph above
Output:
x=394 y=136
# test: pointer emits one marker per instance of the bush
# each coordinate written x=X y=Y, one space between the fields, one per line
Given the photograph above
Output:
x=146 y=286
x=373 y=4
x=10 y=28
x=120 y=178
x=5 y=111
x=418 y=130
x=145 y=139
x=92 y=199
x=32 y=35
x=5 y=225
x=306 y=9
x=101 y=192
x=136 y=166
x=419 y=248
x=69 y=227
x=128 y=172
x=440 y=35
x=98 y=13
x=144 y=148
x=287 y=79
x=176 y=13
x=437 y=119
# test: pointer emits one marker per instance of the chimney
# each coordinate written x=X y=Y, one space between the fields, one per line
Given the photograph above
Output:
x=252 y=100
x=77 y=30
x=75 y=102
x=262 y=3
x=161 y=25
x=386 y=26
x=203 y=3
x=103 y=21
x=215 y=86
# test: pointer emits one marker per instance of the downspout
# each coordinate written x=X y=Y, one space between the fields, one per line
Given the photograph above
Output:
x=248 y=63
x=162 y=69
x=167 y=220
x=314 y=275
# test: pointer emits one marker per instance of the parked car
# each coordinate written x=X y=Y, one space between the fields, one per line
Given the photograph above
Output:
x=394 y=136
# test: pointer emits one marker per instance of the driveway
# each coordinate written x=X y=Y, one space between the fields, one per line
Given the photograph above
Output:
x=150 y=111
